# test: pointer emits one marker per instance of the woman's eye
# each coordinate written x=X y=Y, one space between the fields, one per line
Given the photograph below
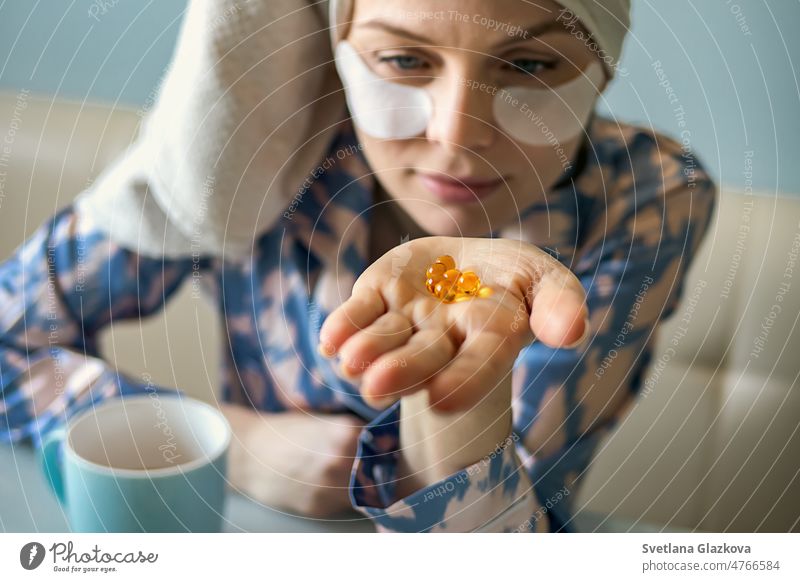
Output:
x=530 y=66
x=403 y=62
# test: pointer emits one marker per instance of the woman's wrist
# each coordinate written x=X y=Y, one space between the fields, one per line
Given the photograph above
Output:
x=244 y=423
x=434 y=445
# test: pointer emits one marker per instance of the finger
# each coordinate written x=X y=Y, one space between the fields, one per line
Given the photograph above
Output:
x=390 y=331
x=406 y=369
x=359 y=311
x=559 y=316
x=480 y=365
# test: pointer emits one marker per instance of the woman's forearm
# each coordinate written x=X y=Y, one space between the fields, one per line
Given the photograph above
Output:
x=434 y=445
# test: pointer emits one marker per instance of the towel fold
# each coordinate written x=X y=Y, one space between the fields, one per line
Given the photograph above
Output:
x=246 y=110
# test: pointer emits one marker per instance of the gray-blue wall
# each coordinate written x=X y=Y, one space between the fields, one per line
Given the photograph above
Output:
x=731 y=67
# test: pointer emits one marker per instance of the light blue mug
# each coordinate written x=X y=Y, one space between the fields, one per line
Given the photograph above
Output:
x=152 y=463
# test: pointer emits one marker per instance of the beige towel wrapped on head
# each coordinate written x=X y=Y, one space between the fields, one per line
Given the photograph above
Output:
x=248 y=106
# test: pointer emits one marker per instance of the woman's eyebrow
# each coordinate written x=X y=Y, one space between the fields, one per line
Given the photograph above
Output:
x=519 y=34
x=534 y=31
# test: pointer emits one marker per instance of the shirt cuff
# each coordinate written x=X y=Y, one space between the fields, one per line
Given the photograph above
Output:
x=493 y=494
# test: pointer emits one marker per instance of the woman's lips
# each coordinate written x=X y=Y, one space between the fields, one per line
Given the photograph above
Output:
x=455 y=189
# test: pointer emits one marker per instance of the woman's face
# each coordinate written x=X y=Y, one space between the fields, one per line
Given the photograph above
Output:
x=464 y=52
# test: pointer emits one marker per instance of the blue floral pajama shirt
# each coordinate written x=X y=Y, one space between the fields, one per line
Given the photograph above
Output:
x=627 y=220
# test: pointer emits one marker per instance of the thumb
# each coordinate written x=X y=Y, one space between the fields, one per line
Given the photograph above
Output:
x=559 y=315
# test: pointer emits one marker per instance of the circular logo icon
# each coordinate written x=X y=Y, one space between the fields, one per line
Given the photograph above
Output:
x=31 y=555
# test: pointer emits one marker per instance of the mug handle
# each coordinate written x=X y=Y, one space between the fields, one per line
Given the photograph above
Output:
x=50 y=459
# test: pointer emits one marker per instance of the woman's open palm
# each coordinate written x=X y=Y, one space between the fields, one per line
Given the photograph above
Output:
x=398 y=338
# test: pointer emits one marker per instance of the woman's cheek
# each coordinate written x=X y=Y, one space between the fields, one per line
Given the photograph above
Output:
x=394 y=163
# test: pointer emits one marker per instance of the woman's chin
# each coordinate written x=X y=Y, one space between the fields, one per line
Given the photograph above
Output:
x=450 y=219
x=455 y=226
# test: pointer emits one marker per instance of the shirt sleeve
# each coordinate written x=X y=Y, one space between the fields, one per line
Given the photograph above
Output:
x=565 y=401
x=492 y=494
x=57 y=291
x=633 y=268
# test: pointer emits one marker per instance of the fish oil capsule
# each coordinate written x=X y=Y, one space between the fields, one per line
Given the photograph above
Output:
x=469 y=283
x=452 y=275
x=448 y=261
x=448 y=292
x=445 y=290
x=436 y=270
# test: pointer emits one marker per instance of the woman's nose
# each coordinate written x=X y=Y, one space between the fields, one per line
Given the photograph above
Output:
x=462 y=116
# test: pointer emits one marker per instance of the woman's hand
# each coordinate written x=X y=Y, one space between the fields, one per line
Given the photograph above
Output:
x=397 y=338
x=292 y=460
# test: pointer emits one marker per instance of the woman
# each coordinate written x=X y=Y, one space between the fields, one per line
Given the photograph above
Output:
x=472 y=135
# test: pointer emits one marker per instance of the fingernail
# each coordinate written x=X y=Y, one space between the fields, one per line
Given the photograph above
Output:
x=326 y=349
x=587 y=331
x=376 y=402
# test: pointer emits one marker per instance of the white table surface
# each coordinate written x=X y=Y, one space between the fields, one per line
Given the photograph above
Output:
x=27 y=504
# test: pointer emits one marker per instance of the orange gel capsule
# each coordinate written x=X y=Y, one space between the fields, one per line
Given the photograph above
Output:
x=448 y=261
x=469 y=283
x=445 y=290
x=436 y=270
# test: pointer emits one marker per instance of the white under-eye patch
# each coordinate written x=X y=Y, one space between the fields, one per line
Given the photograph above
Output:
x=391 y=110
x=542 y=116
x=383 y=109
